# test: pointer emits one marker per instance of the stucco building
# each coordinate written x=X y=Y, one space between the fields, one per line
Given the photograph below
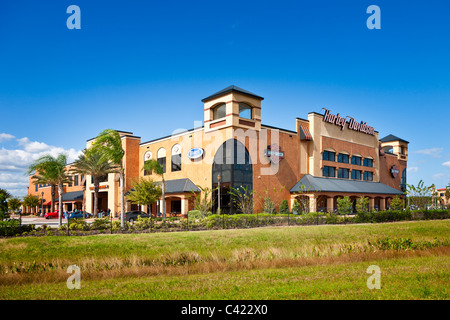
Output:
x=327 y=156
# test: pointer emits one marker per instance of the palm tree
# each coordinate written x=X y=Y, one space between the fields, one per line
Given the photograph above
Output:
x=109 y=144
x=30 y=201
x=153 y=166
x=91 y=162
x=54 y=170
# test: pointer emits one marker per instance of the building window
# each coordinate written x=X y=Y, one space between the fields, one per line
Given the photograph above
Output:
x=403 y=180
x=219 y=111
x=70 y=181
x=103 y=178
x=75 y=183
x=245 y=111
x=176 y=158
x=329 y=156
x=36 y=187
x=329 y=171
x=356 y=174
x=388 y=149
x=368 y=176
x=343 y=158
x=343 y=173
x=356 y=160
x=161 y=158
x=368 y=162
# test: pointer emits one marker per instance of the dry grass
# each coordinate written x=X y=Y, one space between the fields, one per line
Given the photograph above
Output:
x=192 y=263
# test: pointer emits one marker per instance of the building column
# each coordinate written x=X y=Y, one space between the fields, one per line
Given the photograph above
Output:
x=330 y=204
x=184 y=205
x=312 y=203
x=382 y=204
x=371 y=204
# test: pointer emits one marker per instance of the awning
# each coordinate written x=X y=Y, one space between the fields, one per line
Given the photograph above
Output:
x=73 y=196
x=178 y=186
x=305 y=134
x=319 y=184
x=48 y=203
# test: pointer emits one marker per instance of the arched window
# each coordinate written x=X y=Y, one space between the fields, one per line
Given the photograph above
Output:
x=176 y=158
x=233 y=164
x=161 y=158
x=219 y=111
x=245 y=111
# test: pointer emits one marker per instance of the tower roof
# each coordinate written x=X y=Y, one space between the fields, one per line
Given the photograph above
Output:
x=391 y=137
x=232 y=89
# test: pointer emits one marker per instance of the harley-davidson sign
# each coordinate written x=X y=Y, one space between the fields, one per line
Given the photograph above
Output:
x=274 y=153
x=394 y=171
x=352 y=123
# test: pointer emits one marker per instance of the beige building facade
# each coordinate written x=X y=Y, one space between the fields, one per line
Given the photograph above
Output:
x=325 y=157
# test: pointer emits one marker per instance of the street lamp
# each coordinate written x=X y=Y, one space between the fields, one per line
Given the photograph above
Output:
x=42 y=203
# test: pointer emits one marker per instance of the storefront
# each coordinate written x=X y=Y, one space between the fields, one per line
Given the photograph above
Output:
x=326 y=156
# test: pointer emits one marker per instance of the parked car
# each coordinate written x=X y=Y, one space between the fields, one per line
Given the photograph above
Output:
x=54 y=214
x=79 y=214
x=133 y=215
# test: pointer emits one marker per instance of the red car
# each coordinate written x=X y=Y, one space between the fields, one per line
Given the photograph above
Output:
x=54 y=214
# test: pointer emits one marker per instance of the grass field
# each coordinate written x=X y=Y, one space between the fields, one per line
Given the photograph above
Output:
x=314 y=262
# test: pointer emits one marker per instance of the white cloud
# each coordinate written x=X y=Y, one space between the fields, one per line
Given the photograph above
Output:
x=432 y=152
x=440 y=176
x=6 y=136
x=14 y=162
x=412 y=169
x=446 y=164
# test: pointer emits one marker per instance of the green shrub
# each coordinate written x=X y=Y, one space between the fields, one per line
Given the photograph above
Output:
x=284 y=207
x=296 y=207
x=143 y=223
x=102 y=224
x=344 y=205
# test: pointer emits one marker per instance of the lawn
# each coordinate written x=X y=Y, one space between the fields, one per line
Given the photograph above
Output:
x=313 y=262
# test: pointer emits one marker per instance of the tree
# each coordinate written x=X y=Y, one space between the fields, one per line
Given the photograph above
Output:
x=4 y=195
x=243 y=198
x=14 y=204
x=153 y=166
x=203 y=204
x=109 y=144
x=53 y=169
x=284 y=207
x=397 y=203
x=270 y=199
x=344 y=205
x=296 y=207
x=30 y=201
x=91 y=162
x=419 y=196
x=44 y=177
x=144 y=192
x=362 y=205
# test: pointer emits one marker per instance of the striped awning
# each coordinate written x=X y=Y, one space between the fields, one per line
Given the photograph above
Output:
x=305 y=134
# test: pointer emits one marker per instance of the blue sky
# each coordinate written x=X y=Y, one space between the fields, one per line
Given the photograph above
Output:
x=145 y=66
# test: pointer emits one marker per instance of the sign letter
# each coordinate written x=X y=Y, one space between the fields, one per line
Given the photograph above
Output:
x=74 y=21
x=374 y=21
